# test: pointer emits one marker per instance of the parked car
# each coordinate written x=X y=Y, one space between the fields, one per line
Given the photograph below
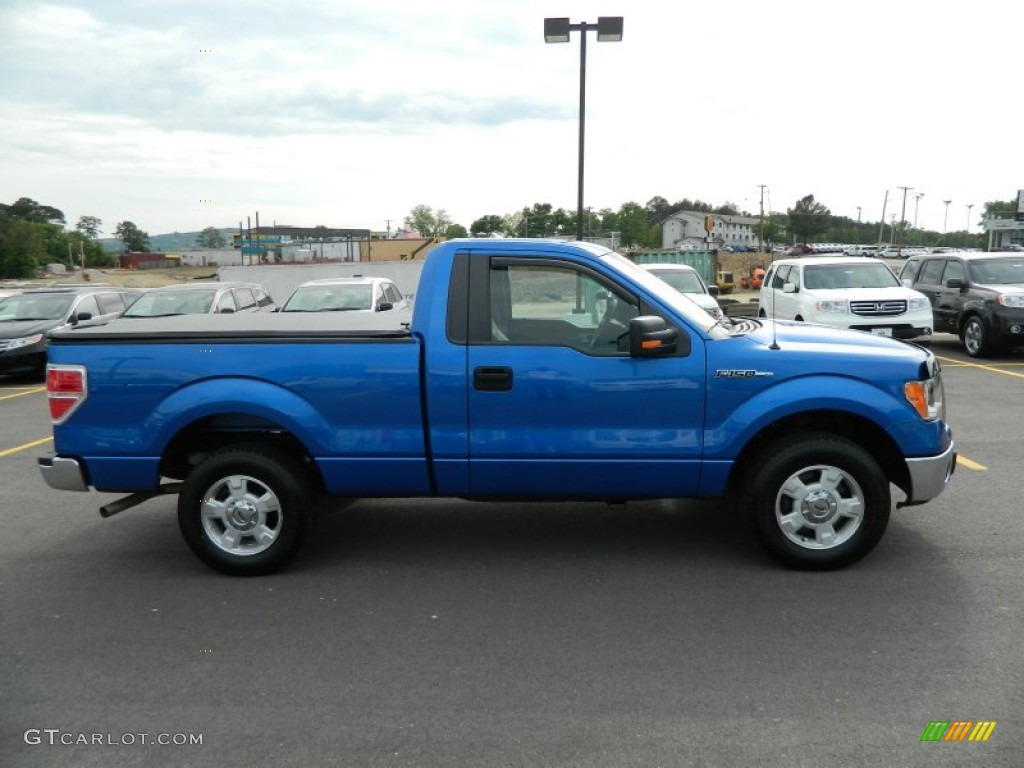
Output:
x=28 y=318
x=977 y=296
x=202 y=299
x=688 y=282
x=347 y=294
x=854 y=292
x=861 y=250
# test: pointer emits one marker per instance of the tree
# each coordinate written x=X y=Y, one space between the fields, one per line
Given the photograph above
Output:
x=89 y=226
x=132 y=238
x=808 y=218
x=456 y=230
x=22 y=247
x=27 y=209
x=429 y=224
x=210 y=237
x=658 y=209
x=999 y=209
x=487 y=225
x=632 y=220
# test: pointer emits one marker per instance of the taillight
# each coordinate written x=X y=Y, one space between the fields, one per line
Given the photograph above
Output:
x=65 y=390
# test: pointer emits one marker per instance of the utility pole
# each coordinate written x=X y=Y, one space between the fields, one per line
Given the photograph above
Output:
x=917 y=201
x=967 y=231
x=903 y=214
x=881 y=225
x=945 y=219
x=760 y=237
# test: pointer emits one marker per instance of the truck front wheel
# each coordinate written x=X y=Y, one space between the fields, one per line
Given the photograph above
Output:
x=246 y=511
x=818 y=502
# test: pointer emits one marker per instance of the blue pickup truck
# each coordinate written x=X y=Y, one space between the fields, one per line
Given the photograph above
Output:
x=528 y=369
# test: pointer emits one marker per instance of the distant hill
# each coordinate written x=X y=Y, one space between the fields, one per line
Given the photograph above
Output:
x=171 y=242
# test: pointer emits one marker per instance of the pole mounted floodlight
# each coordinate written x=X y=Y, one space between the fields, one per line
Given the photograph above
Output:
x=556 y=30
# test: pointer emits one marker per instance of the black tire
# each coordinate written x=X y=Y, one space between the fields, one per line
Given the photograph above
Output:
x=259 y=509
x=975 y=337
x=762 y=313
x=818 y=502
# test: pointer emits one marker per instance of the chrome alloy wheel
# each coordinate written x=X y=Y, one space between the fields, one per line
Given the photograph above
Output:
x=241 y=515
x=819 y=507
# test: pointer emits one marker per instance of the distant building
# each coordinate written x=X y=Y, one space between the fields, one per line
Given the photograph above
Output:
x=685 y=229
x=141 y=260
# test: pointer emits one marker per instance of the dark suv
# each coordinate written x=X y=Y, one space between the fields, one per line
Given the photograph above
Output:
x=977 y=296
x=28 y=318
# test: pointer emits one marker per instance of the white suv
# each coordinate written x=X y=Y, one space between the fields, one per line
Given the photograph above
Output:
x=845 y=292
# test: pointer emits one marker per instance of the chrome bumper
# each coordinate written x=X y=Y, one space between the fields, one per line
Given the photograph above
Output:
x=929 y=476
x=62 y=474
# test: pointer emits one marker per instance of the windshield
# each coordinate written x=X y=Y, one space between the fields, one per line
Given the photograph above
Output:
x=667 y=295
x=831 y=276
x=162 y=304
x=998 y=271
x=683 y=280
x=330 y=298
x=15 y=309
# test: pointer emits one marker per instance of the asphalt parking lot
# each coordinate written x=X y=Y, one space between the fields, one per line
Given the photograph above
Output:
x=442 y=633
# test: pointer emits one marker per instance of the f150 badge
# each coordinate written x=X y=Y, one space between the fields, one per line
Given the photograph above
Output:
x=732 y=373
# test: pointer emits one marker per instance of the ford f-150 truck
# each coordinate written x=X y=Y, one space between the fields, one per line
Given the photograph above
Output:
x=528 y=370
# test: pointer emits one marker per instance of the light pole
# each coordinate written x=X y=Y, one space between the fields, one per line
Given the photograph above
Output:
x=903 y=213
x=945 y=218
x=857 y=238
x=967 y=231
x=556 y=30
x=917 y=201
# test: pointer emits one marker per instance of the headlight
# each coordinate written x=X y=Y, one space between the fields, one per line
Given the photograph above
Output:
x=928 y=397
x=1011 y=300
x=27 y=341
x=832 y=305
x=918 y=305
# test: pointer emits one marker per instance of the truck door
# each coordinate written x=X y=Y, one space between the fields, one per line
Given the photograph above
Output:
x=556 y=405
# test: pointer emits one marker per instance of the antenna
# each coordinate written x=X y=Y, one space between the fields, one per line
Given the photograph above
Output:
x=775 y=338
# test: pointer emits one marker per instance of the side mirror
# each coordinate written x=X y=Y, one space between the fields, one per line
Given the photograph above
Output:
x=226 y=311
x=713 y=290
x=907 y=282
x=651 y=336
x=384 y=306
x=789 y=288
x=955 y=282
x=81 y=317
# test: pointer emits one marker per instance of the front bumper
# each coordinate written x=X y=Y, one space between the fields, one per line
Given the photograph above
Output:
x=62 y=473
x=929 y=476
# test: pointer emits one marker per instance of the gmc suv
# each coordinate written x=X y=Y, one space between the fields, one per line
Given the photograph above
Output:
x=977 y=296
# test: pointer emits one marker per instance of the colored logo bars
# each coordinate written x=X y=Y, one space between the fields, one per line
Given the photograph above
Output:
x=958 y=730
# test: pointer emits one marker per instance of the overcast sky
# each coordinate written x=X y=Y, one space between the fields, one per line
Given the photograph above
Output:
x=185 y=114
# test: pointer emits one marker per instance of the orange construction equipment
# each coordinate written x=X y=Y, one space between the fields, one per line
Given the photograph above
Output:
x=754 y=279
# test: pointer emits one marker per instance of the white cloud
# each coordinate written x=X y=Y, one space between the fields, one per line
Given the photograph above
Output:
x=350 y=113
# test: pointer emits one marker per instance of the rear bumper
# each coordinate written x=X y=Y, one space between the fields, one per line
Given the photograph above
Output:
x=62 y=474
x=929 y=476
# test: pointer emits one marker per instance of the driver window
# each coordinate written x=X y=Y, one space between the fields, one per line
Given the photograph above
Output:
x=554 y=305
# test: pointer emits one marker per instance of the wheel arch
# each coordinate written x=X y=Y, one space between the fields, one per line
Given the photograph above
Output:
x=201 y=438
x=853 y=427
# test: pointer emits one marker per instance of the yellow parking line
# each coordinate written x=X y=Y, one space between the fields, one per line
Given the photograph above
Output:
x=963 y=461
x=982 y=367
x=24 y=447
x=22 y=394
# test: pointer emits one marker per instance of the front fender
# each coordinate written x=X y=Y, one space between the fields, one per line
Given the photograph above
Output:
x=729 y=429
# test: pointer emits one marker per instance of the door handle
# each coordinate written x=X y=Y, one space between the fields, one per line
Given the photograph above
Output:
x=492 y=378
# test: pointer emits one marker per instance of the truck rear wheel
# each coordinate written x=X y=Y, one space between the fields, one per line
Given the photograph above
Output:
x=818 y=502
x=246 y=511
